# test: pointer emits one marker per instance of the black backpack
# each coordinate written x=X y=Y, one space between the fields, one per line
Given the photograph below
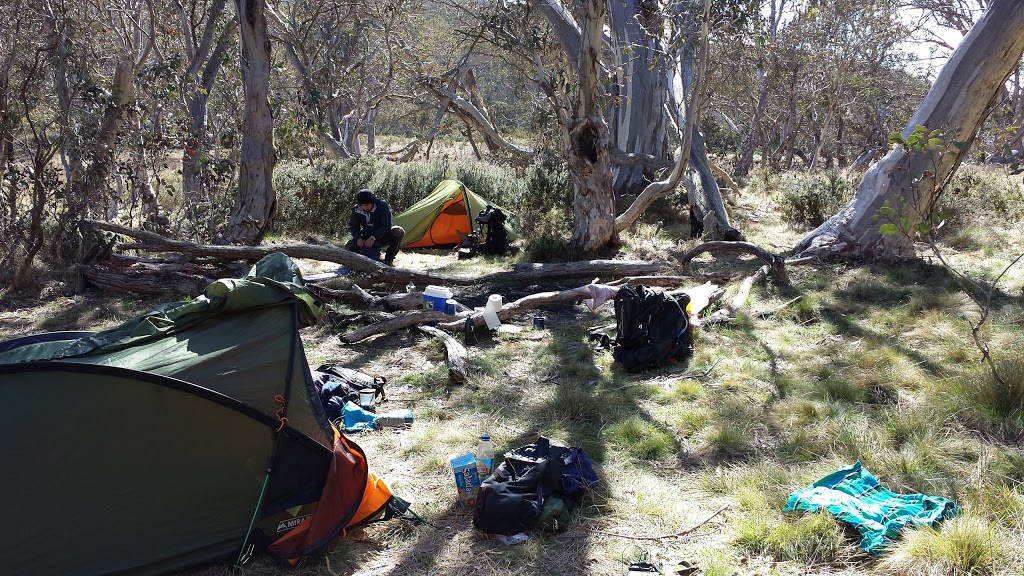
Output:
x=492 y=224
x=652 y=329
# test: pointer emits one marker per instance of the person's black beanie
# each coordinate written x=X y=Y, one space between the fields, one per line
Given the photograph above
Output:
x=364 y=196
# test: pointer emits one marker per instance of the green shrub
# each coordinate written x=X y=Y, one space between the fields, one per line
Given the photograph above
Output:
x=810 y=538
x=316 y=199
x=641 y=439
x=811 y=199
x=978 y=195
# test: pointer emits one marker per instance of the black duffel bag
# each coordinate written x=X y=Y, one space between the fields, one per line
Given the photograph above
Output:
x=532 y=481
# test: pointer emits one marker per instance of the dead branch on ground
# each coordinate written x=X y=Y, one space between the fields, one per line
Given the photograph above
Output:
x=458 y=357
x=665 y=536
x=776 y=263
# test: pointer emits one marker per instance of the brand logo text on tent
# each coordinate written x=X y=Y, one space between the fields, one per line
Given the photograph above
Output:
x=291 y=523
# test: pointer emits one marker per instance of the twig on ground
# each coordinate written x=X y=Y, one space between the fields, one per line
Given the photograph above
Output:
x=662 y=537
x=704 y=374
x=773 y=311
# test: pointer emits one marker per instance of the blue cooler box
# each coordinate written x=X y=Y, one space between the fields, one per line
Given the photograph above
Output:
x=434 y=297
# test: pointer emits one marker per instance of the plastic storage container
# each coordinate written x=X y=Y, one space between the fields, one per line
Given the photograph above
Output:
x=434 y=297
x=395 y=419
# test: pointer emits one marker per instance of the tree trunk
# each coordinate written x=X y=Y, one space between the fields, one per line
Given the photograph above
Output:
x=589 y=155
x=98 y=172
x=959 y=101
x=255 y=203
x=637 y=121
x=746 y=160
x=705 y=197
x=205 y=59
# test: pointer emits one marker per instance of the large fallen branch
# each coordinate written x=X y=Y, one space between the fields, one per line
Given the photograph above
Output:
x=776 y=263
x=396 y=323
x=457 y=322
x=739 y=300
x=125 y=275
x=529 y=303
x=379 y=273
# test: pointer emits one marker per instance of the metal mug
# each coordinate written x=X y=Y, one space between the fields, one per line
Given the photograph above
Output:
x=538 y=322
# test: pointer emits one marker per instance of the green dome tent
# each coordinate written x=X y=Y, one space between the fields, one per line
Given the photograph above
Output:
x=437 y=219
x=184 y=435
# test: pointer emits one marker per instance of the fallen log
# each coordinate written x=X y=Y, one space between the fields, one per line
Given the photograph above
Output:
x=126 y=275
x=378 y=272
x=739 y=300
x=668 y=281
x=458 y=357
x=396 y=323
x=527 y=303
x=153 y=242
x=457 y=322
x=776 y=263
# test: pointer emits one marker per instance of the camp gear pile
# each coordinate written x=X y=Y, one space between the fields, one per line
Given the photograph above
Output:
x=534 y=487
x=188 y=434
x=652 y=328
x=854 y=496
x=337 y=385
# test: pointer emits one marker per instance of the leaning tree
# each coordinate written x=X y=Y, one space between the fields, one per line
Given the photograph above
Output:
x=904 y=185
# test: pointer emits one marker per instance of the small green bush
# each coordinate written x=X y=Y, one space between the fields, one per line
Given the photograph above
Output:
x=985 y=403
x=642 y=439
x=811 y=538
x=979 y=195
x=316 y=199
x=809 y=200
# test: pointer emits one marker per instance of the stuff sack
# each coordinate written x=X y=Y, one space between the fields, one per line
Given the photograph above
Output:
x=337 y=385
x=533 y=486
x=495 y=237
x=652 y=329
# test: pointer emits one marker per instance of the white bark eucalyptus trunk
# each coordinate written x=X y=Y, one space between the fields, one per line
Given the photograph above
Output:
x=589 y=140
x=959 y=101
x=642 y=83
x=255 y=203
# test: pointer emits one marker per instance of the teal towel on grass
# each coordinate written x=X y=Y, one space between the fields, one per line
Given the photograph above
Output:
x=356 y=418
x=854 y=496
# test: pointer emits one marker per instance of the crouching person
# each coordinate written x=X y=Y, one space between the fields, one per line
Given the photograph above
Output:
x=371 y=228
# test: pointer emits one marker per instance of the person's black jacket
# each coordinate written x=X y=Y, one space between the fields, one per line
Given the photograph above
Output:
x=376 y=222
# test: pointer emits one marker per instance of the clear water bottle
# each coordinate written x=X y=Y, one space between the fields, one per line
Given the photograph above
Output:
x=484 y=456
x=410 y=287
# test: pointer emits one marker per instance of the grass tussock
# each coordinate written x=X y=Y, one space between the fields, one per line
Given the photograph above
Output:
x=961 y=546
x=991 y=402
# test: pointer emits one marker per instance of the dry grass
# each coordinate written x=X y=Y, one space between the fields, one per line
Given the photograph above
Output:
x=850 y=372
